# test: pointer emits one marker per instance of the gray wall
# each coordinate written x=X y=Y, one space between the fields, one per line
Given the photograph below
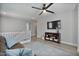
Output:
x=78 y=27
x=75 y=15
x=8 y=24
x=33 y=27
x=67 y=27
x=0 y=23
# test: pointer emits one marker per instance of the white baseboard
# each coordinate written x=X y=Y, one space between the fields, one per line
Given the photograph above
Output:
x=69 y=43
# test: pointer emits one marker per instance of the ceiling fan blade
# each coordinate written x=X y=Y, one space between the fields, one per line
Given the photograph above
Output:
x=41 y=13
x=49 y=5
x=37 y=8
x=50 y=11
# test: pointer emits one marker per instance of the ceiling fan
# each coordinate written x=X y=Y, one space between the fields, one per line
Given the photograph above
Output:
x=44 y=8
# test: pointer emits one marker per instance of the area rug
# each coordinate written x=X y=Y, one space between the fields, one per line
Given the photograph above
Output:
x=41 y=49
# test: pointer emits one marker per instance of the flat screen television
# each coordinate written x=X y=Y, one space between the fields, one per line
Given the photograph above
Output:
x=54 y=24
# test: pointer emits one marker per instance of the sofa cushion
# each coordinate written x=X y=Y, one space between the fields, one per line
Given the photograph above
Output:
x=19 y=52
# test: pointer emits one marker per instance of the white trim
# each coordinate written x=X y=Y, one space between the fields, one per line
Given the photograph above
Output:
x=69 y=43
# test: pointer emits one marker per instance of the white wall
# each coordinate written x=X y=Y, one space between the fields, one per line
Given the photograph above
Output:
x=67 y=27
x=8 y=24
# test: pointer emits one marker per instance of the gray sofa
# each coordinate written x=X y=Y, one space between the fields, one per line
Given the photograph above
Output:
x=19 y=48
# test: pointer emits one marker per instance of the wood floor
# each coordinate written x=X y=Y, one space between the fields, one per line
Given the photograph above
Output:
x=66 y=47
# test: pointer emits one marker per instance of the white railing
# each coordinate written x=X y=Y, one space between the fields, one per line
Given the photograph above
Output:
x=19 y=36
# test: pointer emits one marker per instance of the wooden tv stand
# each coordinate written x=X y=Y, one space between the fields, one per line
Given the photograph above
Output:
x=55 y=37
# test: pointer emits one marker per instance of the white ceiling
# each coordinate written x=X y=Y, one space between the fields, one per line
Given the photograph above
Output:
x=25 y=10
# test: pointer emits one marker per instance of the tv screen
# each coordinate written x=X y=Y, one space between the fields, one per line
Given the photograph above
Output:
x=53 y=24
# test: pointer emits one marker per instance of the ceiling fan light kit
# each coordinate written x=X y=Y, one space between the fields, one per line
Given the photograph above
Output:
x=44 y=11
x=44 y=8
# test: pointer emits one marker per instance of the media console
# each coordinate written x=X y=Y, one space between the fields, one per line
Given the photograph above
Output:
x=55 y=37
